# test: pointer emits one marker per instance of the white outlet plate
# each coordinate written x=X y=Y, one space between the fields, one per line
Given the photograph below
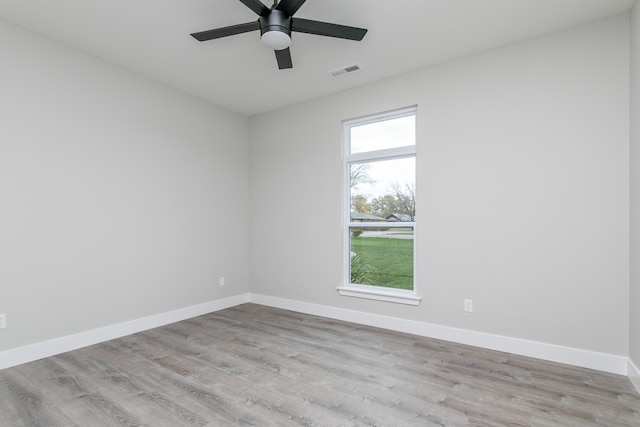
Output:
x=468 y=305
x=3 y=321
x=221 y=280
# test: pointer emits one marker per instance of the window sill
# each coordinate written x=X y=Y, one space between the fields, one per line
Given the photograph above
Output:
x=398 y=297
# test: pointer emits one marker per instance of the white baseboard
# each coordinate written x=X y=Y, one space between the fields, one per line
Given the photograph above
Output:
x=555 y=353
x=634 y=374
x=43 y=349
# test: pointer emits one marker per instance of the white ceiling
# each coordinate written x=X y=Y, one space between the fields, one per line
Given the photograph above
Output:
x=238 y=72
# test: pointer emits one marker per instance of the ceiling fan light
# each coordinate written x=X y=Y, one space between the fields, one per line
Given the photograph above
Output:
x=276 y=40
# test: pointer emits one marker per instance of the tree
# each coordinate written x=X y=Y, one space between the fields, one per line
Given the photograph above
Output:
x=405 y=199
x=360 y=175
x=385 y=205
x=360 y=203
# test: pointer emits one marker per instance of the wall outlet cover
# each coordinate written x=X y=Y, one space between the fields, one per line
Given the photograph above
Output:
x=468 y=305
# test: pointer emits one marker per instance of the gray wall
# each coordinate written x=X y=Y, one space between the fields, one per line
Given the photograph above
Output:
x=523 y=191
x=634 y=300
x=120 y=197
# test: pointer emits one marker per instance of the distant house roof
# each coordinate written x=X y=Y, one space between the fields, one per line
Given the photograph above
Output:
x=397 y=217
x=359 y=216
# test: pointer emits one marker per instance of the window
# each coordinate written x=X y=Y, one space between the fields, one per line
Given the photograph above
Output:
x=380 y=207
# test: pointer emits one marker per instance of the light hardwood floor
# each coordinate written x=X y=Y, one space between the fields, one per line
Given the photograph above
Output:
x=255 y=365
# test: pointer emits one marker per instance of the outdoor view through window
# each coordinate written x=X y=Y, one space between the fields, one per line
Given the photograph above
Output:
x=380 y=163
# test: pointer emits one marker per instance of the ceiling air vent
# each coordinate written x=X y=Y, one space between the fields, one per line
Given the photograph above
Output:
x=344 y=70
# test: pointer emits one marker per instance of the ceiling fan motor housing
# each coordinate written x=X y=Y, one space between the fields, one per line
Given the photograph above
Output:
x=275 y=21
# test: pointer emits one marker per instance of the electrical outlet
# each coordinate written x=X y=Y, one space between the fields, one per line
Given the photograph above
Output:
x=221 y=280
x=3 y=321
x=468 y=305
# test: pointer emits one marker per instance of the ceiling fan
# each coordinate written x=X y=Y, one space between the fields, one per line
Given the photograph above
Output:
x=277 y=23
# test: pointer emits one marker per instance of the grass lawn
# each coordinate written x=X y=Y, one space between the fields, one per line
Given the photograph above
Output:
x=391 y=258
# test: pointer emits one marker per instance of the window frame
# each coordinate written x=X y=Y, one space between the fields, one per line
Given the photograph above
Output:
x=380 y=293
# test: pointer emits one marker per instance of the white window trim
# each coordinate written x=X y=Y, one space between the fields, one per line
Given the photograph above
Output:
x=399 y=296
x=379 y=293
x=388 y=154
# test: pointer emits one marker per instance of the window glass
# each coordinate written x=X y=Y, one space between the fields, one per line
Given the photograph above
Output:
x=380 y=135
x=385 y=187
x=382 y=257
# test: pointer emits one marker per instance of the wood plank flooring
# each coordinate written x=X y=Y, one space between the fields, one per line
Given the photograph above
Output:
x=255 y=365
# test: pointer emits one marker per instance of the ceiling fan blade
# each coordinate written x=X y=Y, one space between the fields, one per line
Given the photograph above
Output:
x=284 y=58
x=257 y=6
x=290 y=6
x=226 y=31
x=327 y=29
